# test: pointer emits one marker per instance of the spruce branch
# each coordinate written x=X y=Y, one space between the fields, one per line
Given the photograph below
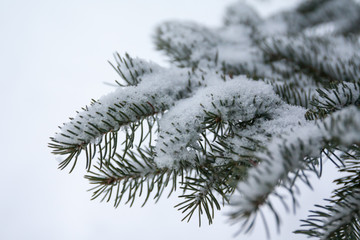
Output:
x=317 y=12
x=307 y=55
x=244 y=110
x=294 y=95
x=341 y=218
x=209 y=48
x=131 y=176
x=105 y=117
x=291 y=154
x=241 y=14
x=226 y=104
x=337 y=97
x=173 y=39
x=131 y=69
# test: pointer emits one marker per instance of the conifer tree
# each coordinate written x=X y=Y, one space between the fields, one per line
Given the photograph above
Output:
x=244 y=110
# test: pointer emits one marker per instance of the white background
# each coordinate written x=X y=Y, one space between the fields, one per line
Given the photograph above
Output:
x=53 y=60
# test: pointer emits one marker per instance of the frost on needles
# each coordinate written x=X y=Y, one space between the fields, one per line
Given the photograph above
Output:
x=243 y=111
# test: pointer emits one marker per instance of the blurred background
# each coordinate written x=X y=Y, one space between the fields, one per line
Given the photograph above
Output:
x=53 y=60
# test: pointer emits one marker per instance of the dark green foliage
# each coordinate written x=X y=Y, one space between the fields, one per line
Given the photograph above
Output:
x=344 y=206
x=228 y=144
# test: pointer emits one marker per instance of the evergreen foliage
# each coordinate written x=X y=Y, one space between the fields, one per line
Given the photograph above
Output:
x=244 y=110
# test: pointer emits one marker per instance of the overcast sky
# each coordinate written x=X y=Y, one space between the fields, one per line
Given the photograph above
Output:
x=53 y=60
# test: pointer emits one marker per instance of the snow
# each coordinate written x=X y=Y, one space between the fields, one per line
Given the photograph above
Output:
x=132 y=69
x=344 y=94
x=303 y=141
x=181 y=126
x=343 y=213
x=204 y=47
x=183 y=95
x=325 y=56
x=236 y=47
x=53 y=66
x=241 y=13
x=194 y=41
x=120 y=104
x=343 y=125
